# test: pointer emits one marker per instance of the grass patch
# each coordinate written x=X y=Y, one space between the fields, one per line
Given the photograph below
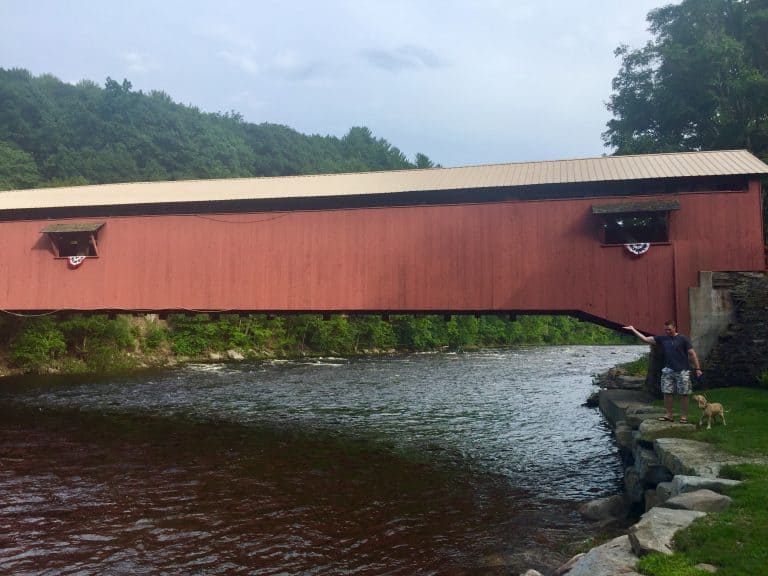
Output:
x=745 y=414
x=661 y=565
x=734 y=540
x=637 y=367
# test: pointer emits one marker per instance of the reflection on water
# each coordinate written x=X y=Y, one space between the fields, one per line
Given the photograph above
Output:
x=426 y=464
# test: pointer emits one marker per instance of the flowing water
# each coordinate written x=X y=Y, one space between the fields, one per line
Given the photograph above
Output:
x=424 y=464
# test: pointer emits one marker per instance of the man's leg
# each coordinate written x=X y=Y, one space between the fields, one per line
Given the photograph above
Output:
x=684 y=390
x=684 y=406
x=668 y=389
x=668 y=405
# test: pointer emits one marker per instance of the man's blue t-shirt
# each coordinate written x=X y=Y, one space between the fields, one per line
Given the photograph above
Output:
x=675 y=351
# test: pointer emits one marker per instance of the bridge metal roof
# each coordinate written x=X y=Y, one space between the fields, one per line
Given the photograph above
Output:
x=433 y=180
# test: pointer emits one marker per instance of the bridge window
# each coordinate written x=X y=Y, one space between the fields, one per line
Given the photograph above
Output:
x=74 y=239
x=633 y=222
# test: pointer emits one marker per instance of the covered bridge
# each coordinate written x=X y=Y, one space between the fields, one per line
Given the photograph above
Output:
x=611 y=239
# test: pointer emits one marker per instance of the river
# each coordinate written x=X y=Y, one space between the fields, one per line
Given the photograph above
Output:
x=468 y=463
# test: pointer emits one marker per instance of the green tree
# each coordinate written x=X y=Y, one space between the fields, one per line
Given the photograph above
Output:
x=423 y=161
x=373 y=333
x=700 y=84
x=97 y=341
x=36 y=344
x=372 y=153
x=84 y=133
x=17 y=168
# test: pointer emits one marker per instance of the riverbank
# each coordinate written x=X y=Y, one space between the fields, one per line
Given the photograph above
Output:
x=701 y=491
x=99 y=343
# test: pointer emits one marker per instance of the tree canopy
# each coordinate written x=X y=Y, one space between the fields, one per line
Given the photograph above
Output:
x=701 y=83
x=54 y=133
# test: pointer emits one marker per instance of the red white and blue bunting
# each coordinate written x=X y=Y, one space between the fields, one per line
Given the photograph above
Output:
x=75 y=261
x=637 y=249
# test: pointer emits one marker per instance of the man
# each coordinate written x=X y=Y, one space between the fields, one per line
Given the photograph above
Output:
x=676 y=374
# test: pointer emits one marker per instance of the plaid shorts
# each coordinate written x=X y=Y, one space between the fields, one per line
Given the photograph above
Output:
x=676 y=382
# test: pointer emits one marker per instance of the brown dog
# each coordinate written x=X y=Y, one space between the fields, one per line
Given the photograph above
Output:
x=709 y=410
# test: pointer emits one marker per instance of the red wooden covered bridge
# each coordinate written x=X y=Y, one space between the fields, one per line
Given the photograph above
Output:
x=611 y=239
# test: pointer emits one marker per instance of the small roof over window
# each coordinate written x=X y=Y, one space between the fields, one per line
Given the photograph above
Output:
x=631 y=207
x=72 y=227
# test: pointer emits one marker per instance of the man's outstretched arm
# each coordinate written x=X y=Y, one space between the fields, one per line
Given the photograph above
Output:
x=648 y=339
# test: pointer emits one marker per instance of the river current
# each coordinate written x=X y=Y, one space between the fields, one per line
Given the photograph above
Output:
x=468 y=463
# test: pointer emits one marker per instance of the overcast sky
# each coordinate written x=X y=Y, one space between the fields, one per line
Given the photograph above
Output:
x=464 y=82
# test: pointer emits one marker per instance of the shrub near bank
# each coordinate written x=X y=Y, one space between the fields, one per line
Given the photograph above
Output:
x=311 y=334
x=78 y=344
x=39 y=343
x=734 y=540
x=97 y=343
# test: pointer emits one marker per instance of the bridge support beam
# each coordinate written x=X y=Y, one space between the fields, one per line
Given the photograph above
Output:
x=712 y=311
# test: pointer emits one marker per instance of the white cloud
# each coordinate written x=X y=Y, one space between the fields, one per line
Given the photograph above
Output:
x=245 y=62
x=139 y=63
x=403 y=58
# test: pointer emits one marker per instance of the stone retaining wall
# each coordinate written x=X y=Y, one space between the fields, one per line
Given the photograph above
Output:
x=740 y=356
x=669 y=481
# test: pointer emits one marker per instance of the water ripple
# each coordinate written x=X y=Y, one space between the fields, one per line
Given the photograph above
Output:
x=415 y=465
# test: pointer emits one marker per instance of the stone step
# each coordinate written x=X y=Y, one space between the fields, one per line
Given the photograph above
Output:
x=701 y=500
x=613 y=557
x=693 y=458
x=615 y=403
x=657 y=527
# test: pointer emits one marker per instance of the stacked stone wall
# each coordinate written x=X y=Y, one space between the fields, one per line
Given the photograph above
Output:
x=740 y=356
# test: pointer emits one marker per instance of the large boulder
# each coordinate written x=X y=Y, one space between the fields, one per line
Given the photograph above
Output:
x=650 y=429
x=663 y=491
x=612 y=558
x=649 y=468
x=632 y=383
x=657 y=527
x=701 y=500
x=681 y=484
x=651 y=499
x=636 y=415
x=693 y=458
x=604 y=509
x=615 y=403
x=633 y=485
x=624 y=435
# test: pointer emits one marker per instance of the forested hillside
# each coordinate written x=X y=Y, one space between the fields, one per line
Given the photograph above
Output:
x=53 y=133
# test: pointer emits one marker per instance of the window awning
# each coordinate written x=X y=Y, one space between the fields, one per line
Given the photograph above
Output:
x=72 y=227
x=632 y=207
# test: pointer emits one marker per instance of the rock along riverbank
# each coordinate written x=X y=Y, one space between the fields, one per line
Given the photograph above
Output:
x=669 y=482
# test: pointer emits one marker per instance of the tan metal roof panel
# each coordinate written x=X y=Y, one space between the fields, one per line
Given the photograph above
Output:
x=433 y=180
